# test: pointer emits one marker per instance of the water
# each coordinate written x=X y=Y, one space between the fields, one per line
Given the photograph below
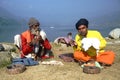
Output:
x=7 y=32
x=55 y=32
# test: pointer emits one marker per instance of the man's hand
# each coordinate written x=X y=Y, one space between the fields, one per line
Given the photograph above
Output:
x=73 y=43
x=36 y=40
x=39 y=38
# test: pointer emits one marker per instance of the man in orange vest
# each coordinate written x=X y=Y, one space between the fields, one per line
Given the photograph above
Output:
x=34 y=39
x=90 y=45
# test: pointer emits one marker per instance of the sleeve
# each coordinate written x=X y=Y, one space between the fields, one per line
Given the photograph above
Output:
x=26 y=48
x=78 y=42
x=43 y=34
x=46 y=44
x=102 y=41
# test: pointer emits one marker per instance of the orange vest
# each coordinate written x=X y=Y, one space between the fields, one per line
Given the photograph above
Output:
x=27 y=36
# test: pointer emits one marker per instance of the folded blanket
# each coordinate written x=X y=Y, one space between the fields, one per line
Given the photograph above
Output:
x=25 y=61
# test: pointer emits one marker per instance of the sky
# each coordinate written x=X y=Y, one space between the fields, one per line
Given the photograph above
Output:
x=60 y=11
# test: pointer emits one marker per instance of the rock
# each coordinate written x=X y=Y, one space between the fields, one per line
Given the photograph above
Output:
x=10 y=52
x=1 y=47
x=15 y=55
x=115 y=33
x=8 y=47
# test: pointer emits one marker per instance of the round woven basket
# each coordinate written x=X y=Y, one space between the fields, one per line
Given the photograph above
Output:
x=91 y=69
x=15 y=69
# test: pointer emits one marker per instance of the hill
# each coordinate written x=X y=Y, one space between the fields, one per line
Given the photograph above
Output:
x=111 y=20
x=6 y=18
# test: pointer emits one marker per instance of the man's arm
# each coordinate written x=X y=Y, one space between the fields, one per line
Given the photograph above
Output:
x=102 y=41
x=77 y=43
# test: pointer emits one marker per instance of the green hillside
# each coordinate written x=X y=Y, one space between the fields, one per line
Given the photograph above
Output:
x=6 y=18
x=8 y=21
x=110 y=20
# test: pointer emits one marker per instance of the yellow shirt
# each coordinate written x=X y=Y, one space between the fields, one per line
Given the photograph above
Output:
x=91 y=34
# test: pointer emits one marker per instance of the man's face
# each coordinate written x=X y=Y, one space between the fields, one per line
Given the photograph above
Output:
x=82 y=29
x=34 y=28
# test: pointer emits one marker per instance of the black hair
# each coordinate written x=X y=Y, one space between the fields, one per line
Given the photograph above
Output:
x=69 y=33
x=82 y=21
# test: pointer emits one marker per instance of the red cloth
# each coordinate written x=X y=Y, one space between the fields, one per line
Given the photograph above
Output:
x=27 y=37
x=46 y=44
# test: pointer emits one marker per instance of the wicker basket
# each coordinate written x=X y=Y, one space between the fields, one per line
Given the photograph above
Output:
x=15 y=69
x=91 y=69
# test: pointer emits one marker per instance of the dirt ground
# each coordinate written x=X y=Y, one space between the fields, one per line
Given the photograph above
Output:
x=69 y=71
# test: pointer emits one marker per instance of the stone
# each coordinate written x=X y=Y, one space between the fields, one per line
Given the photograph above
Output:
x=115 y=33
x=1 y=47
x=15 y=55
x=8 y=47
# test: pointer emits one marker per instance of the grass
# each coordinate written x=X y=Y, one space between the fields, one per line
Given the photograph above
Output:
x=4 y=63
x=69 y=71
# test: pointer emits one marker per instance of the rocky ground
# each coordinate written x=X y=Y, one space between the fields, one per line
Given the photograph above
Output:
x=68 y=71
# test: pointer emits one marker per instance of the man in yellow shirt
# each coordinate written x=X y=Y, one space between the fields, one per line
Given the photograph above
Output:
x=80 y=54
